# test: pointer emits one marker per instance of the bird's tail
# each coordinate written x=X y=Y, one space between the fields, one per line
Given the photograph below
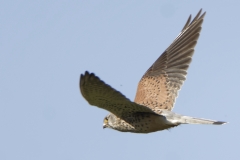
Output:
x=192 y=120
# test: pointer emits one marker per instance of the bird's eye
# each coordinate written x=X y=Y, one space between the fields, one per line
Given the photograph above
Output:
x=106 y=120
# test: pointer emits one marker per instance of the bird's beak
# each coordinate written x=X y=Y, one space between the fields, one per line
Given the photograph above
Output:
x=104 y=126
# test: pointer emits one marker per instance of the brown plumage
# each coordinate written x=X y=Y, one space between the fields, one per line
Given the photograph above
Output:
x=159 y=86
x=157 y=89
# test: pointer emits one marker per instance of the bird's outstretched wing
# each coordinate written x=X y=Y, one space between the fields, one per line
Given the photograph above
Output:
x=159 y=86
x=99 y=94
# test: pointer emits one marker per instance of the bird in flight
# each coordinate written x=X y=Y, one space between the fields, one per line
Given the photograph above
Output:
x=157 y=90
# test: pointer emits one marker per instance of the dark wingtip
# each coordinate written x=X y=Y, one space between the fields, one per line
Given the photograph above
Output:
x=82 y=77
x=219 y=123
x=187 y=23
x=87 y=76
x=202 y=16
x=86 y=73
x=197 y=17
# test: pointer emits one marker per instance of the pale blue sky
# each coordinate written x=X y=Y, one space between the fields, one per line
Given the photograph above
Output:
x=46 y=45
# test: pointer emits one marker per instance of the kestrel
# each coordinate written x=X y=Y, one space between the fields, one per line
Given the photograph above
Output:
x=157 y=90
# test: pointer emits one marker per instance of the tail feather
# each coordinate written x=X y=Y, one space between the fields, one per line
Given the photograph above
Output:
x=192 y=120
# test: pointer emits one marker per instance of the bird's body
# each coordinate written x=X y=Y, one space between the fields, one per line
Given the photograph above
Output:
x=157 y=90
x=140 y=123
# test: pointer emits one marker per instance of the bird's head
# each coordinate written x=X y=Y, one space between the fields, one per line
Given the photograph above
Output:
x=105 y=122
x=109 y=121
x=113 y=122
